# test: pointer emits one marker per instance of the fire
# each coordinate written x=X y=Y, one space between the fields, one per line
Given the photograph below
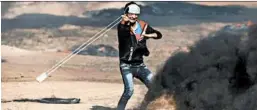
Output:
x=249 y=23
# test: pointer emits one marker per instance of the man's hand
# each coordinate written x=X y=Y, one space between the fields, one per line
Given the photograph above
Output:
x=153 y=35
x=125 y=18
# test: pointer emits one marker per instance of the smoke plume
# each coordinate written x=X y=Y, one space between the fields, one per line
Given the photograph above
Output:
x=218 y=73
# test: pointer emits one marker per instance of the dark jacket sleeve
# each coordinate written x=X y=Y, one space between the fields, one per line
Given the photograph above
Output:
x=123 y=30
x=150 y=30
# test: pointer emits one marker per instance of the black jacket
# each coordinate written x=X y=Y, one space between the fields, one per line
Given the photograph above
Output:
x=127 y=40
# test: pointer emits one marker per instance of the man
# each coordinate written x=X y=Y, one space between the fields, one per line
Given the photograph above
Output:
x=132 y=36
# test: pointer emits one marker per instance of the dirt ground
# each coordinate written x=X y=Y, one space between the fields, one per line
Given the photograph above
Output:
x=21 y=67
x=93 y=95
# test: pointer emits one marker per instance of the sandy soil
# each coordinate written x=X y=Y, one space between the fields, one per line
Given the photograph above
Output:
x=22 y=67
x=93 y=95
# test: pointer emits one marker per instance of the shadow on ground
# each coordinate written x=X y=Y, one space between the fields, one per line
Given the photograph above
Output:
x=47 y=100
x=98 y=107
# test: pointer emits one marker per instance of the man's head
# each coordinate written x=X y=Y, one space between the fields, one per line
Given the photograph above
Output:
x=132 y=10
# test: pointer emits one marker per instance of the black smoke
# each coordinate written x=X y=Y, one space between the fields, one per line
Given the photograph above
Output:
x=218 y=73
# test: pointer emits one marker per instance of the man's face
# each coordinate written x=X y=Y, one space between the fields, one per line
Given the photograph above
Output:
x=133 y=17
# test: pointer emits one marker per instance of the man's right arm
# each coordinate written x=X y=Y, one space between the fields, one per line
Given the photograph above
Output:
x=123 y=29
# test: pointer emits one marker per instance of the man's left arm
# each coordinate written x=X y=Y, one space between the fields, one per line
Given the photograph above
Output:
x=152 y=33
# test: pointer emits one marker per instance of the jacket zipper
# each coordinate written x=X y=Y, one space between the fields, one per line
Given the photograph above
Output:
x=132 y=48
x=131 y=53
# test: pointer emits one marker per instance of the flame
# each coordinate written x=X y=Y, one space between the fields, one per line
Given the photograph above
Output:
x=250 y=23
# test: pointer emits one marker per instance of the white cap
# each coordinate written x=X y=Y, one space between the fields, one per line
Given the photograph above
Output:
x=133 y=8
